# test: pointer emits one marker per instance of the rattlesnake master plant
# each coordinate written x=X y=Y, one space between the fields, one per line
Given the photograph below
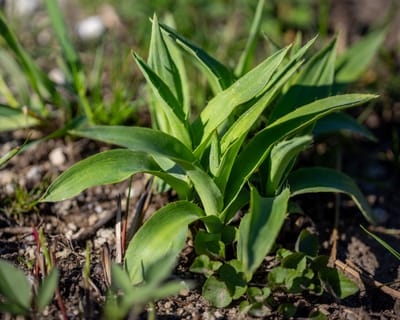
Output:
x=223 y=161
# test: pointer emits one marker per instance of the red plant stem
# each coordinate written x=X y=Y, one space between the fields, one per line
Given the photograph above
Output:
x=60 y=301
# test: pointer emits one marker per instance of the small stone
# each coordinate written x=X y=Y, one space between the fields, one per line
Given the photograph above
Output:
x=57 y=76
x=23 y=8
x=218 y=314
x=91 y=28
x=57 y=157
x=34 y=173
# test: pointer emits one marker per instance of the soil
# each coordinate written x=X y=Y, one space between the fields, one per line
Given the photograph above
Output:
x=71 y=224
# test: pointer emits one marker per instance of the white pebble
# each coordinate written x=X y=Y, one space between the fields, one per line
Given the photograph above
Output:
x=23 y=8
x=90 y=28
x=57 y=157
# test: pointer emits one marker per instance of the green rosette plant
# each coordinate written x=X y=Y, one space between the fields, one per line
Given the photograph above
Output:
x=223 y=163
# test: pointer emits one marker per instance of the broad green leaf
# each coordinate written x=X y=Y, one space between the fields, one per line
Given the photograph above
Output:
x=255 y=152
x=166 y=100
x=219 y=76
x=313 y=82
x=244 y=89
x=259 y=228
x=246 y=57
x=12 y=119
x=232 y=274
x=46 y=290
x=281 y=160
x=355 y=60
x=307 y=243
x=202 y=264
x=139 y=139
x=120 y=279
x=161 y=62
x=309 y=180
x=340 y=121
x=163 y=233
x=246 y=120
x=14 y=287
x=177 y=57
x=135 y=297
x=209 y=193
x=384 y=244
x=160 y=144
x=337 y=284
x=216 y=291
x=105 y=168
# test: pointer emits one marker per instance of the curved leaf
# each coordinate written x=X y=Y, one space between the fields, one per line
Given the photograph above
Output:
x=244 y=89
x=139 y=139
x=309 y=180
x=15 y=288
x=105 y=168
x=11 y=119
x=46 y=290
x=341 y=121
x=164 y=233
x=167 y=102
x=281 y=158
x=259 y=229
x=219 y=76
x=259 y=147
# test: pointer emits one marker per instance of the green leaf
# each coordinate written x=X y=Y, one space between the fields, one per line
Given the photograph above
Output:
x=202 y=264
x=16 y=79
x=234 y=278
x=46 y=290
x=219 y=76
x=247 y=119
x=216 y=291
x=314 y=82
x=163 y=233
x=281 y=160
x=259 y=229
x=160 y=144
x=309 y=180
x=255 y=152
x=71 y=57
x=355 y=60
x=341 y=121
x=139 y=139
x=161 y=62
x=15 y=288
x=40 y=83
x=244 y=89
x=12 y=119
x=383 y=243
x=307 y=243
x=167 y=103
x=246 y=57
x=337 y=284
x=9 y=155
x=105 y=168
x=120 y=279
x=209 y=244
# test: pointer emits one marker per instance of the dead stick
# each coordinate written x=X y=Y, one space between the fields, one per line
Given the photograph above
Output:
x=374 y=283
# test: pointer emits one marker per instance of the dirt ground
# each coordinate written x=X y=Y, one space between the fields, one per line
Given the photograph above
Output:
x=90 y=217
